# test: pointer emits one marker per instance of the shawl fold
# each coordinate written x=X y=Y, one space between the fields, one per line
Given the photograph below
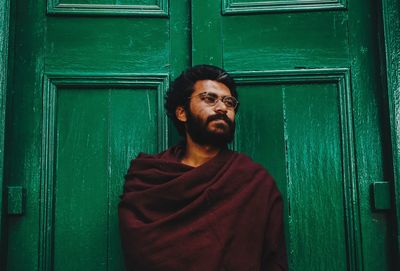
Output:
x=223 y=215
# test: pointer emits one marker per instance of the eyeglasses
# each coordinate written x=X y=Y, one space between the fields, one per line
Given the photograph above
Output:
x=211 y=99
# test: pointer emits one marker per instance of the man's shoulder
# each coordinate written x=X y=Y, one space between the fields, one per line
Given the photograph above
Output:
x=170 y=155
x=244 y=161
x=252 y=172
x=145 y=155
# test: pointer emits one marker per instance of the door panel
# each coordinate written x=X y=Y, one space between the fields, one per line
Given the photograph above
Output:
x=286 y=41
x=282 y=125
x=94 y=126
x=90 y=125
x=80 y=193
x=114 y=45
x=316 y=178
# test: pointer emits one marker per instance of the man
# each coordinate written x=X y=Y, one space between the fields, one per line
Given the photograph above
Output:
x=198 y=205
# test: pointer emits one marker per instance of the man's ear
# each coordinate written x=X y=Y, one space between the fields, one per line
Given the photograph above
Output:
x=180 y=114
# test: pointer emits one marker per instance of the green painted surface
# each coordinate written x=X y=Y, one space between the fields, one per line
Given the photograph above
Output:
x=305 y=146
x=80 y=194
x=111 y=120
x=328 y=39
x=391 y=22
x=86 y=97
x=139 y=45
x=314 y=175
x=381 y=194
x=15 y=200
x=4 y=46
x=369 y=138
x=286 y=41
x=85 y=217
x=206 y=33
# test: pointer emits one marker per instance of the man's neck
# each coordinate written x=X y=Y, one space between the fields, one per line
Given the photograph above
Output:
x=196 y=155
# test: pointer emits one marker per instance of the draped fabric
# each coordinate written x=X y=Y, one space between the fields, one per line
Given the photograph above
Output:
x=223 y=215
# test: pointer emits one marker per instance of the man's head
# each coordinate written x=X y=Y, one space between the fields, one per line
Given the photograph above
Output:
x=202 y=103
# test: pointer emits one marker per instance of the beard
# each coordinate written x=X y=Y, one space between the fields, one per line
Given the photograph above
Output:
x=199 y=130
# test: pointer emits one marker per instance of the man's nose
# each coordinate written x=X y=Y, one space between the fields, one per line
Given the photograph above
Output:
x=220 y=106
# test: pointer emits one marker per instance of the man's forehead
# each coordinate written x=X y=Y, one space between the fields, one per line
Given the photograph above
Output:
x=211 y=86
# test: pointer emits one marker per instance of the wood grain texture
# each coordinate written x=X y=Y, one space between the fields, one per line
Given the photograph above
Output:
x=180 y=56
x=75 y=44
x=286 y=41
x=391 y=20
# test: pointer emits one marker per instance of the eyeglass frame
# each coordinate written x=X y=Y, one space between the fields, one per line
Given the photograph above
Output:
x=205 y=93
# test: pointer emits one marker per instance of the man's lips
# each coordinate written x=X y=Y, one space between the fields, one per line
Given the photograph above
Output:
x=219 y=118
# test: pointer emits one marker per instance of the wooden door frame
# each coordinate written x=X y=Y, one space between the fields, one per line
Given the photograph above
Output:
x=391 y=25
x=4 y=41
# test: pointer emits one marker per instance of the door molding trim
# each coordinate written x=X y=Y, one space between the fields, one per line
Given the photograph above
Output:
x=230 y=7
x=4 y=37
x=391 y=25
x=160 y=9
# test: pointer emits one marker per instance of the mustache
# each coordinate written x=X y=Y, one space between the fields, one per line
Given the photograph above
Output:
x=220 y=117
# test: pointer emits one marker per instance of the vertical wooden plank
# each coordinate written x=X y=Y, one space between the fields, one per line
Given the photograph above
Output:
x=372 y=154
x=315 y=165
x=259 y=132
x=133 y=129
x=24 y=131
x=180 y=56
x=391 y=23
x=4 y=36
x=81 y=180
x=179 y=36
x=207 y=44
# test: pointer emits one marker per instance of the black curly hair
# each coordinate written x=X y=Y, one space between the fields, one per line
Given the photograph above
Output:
x=182 y=88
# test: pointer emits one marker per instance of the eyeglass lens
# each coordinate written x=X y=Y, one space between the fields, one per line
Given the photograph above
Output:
x=212 y=99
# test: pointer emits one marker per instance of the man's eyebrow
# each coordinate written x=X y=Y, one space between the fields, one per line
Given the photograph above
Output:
x=213 y=93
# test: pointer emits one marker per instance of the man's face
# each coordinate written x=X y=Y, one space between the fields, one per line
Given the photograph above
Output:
x=210 y=124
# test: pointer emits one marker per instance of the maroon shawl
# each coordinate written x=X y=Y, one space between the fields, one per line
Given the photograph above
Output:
x=223 y=215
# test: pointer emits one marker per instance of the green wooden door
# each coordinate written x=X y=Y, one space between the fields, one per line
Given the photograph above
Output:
x=87 y=96
x=312 y=112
